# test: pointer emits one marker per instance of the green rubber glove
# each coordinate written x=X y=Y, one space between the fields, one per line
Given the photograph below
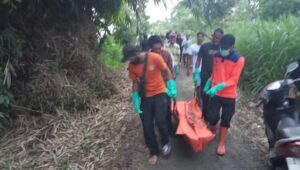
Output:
x=168 y=92
x=136 y=102
x=207 y=85
x=197 y=79
x=212 y=92
x=171 y=89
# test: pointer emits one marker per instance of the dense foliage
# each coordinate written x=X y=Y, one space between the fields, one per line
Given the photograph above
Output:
x=211 y=11
x=111 y=53
x=266 y=31
x=273 y=9
x=268 y=47
x=44 y=44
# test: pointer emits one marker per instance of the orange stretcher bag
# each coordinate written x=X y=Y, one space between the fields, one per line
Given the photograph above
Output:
x=191 y=124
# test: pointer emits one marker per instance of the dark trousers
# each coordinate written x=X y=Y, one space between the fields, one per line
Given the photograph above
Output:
x=214 y=108
x=155 y=109
x=184 y=58
x=181 y=56
x=204 y=98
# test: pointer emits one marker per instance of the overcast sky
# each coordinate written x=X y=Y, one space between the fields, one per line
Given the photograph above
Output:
x=160 y=12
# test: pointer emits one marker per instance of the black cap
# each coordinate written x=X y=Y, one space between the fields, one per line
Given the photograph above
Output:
x=227 y=41
x=129 y=51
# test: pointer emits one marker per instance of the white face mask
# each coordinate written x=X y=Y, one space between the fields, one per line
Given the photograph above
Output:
x=225 y=53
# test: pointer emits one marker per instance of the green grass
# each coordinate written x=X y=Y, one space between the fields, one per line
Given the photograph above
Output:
x=111 y=54
x=268 y=48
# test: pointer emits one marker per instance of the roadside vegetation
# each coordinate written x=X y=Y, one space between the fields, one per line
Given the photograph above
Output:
x=266 y=32
x=60 y=72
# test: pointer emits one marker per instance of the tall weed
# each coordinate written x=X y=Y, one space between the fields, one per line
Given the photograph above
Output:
x=111 y=53
x=268 y=48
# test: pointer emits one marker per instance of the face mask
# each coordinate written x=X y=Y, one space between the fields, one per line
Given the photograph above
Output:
x=225 y=53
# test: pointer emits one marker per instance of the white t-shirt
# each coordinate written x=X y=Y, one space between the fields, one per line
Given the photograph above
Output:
x=193 y=51
x=186 y=44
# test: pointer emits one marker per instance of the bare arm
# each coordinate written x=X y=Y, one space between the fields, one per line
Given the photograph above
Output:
x=168 y=74
x=170 y=61
x=165 y=71
x=134 y=85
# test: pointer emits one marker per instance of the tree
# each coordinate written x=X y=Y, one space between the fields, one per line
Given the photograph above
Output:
x=35 y=32
x=275 y=8
x=211 y=11
x=244 y=10
x=131 y=26
x=182 y=17
x=160 y=27
x=181 y=20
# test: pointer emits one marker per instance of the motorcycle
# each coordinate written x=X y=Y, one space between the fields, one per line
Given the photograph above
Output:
x=281 y=119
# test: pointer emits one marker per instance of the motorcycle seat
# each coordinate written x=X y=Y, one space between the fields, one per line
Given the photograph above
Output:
x=287 y=128
x=286 y=133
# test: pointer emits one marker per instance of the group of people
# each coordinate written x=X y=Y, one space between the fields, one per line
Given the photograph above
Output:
x=216 y=68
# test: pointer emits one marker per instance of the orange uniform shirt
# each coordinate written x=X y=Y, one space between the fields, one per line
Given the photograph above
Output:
x=154 y=81
x=228 y=71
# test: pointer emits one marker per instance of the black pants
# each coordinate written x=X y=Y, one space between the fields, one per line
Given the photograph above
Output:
x=214 y=107
x=184 y=58
x=155 y=108
x=205 y=98
x=181 y=56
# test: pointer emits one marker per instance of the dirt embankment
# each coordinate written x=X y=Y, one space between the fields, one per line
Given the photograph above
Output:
x=248 y=124
x=86 y=140
x=69 y=110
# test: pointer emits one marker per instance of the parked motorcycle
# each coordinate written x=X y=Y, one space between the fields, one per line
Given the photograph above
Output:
x=281 y=118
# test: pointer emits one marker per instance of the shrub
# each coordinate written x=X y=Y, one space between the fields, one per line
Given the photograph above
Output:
x=111 y=53
x=268 y=48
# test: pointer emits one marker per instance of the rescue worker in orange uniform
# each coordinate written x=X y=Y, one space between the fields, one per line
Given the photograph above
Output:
x=222 y=88
x=149 y=96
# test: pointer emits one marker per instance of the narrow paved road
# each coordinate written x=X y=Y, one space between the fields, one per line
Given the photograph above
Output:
x=238 y=156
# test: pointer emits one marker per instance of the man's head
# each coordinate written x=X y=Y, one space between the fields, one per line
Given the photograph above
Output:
x=132 y=54
x=155 y=43
x=227 y=44
x=168 y=34
x=178 y=35
x=200 y=37
x=172 y=37
x=145 y=36
x=217 y=35
x=188 y=36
